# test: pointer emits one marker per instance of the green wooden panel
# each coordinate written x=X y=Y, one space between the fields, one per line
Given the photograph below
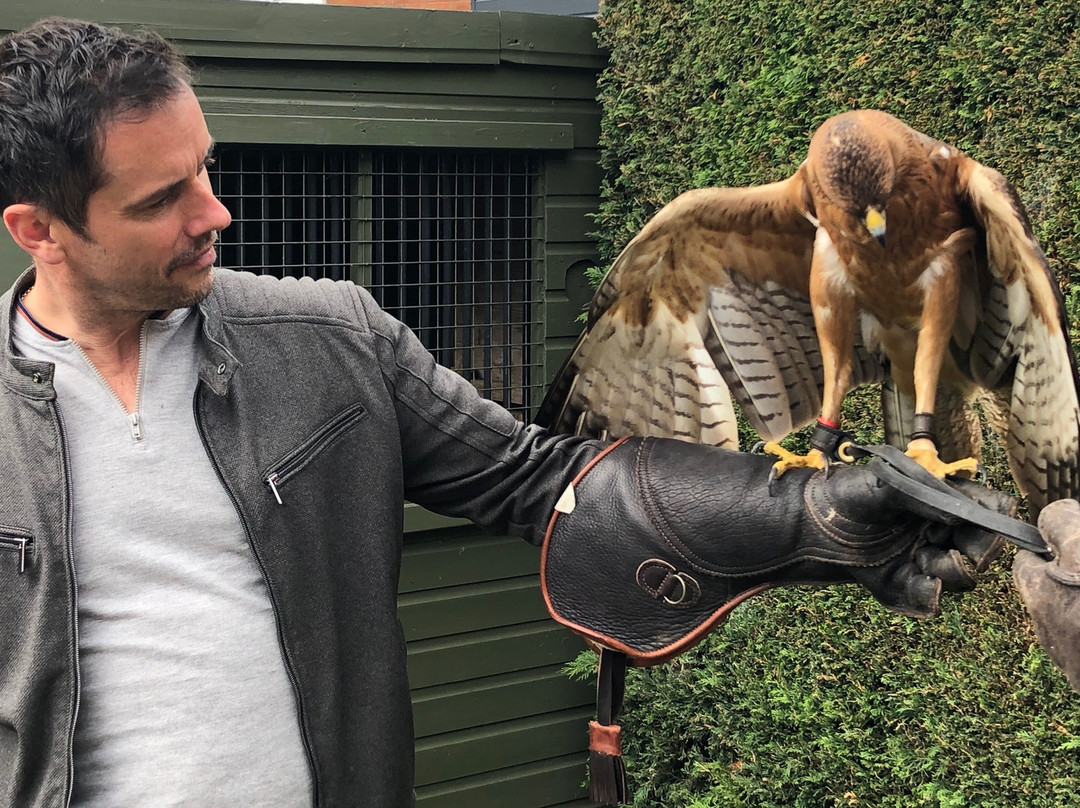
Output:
x=472 y=607
x=421 y=519
x=574 y=173
x=453 y=81
x=287 y=31
x=579 y=290
x=447 y=708
x=586 y=126
x=569 y=217
x=465 y=557
x=557 y=305
x=578 y=119
x=562 y=319
x=342 y=54
x=557 y=352
x=511 y=743
x=283 y=30
x=208 y=28
x=490 y=652
x=560 y=256
x=547 y=39
x=535 y=785
x=408 y=132
x=563 y=308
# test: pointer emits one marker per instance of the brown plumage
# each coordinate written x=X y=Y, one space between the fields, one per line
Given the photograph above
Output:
x=887 y=257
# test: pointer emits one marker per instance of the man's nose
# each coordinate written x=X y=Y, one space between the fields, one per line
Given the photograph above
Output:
x=207 y=212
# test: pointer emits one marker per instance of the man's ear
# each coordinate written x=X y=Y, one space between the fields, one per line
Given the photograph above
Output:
x=31 y=227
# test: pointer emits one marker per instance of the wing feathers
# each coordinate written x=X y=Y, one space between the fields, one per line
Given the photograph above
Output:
x=643 y=366
x=897 y=412
x=1044 y=424
x=657 y=381
x=993 y=346
x=767 y=355
x=1022 y=333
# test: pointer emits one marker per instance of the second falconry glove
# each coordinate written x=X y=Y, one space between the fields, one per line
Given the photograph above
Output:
x=1050 y=589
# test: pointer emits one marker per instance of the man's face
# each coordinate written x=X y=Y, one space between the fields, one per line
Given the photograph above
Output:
x=152 y=225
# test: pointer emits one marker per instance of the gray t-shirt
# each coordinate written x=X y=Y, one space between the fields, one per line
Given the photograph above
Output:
x=185 y=699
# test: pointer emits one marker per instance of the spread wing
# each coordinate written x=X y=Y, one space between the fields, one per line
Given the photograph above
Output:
x=1012 y=337
x=709 y=303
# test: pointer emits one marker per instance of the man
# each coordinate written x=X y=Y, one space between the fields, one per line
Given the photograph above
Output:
x=200 y=515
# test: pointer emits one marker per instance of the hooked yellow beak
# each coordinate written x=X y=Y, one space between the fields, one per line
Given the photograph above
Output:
x=875 y=223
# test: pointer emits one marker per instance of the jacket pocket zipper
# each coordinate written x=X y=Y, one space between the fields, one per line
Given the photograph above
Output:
x=23 y=545
x=299 y=457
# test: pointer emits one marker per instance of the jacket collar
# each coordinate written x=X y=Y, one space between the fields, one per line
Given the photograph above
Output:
x=217 y=364
x=21 y=375
x=33 y=379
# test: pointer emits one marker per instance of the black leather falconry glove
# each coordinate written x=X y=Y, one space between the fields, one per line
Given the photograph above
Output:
x=661 y=535
x=658 y=540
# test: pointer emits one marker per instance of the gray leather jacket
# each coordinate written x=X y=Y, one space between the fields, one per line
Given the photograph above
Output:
x=309 y=386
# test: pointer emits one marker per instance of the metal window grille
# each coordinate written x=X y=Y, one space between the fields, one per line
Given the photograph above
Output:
x=444 y=240
x=290 y=208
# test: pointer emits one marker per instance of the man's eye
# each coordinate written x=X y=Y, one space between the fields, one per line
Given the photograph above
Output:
x=161 y=202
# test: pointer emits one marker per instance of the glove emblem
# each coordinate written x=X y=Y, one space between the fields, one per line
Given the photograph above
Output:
x=664 y=582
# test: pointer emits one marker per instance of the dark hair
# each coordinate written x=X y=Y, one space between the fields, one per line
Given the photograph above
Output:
x=61 y=83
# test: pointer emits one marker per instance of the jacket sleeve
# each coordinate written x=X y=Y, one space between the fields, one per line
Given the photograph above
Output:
x=464 y=455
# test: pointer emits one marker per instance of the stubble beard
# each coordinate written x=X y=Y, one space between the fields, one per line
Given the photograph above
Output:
x=185 y=298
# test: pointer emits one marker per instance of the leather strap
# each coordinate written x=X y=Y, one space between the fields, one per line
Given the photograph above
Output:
x=607 y=772
x=827 y=439
x=610 y=686
x=929 y=496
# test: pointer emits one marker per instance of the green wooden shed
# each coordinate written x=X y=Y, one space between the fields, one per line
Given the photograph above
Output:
x=448 y=162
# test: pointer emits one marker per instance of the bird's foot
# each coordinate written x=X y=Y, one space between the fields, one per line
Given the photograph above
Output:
x=925 y=454
x=789 y=460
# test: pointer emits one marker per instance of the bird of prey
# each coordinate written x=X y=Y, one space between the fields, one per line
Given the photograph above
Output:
x=888 y=257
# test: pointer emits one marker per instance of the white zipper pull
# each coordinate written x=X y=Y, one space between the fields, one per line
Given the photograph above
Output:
x=22 y=555
x=136 y=426
x=272 y=482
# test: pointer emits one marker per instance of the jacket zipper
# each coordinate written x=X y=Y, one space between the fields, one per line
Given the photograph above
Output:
x=298 y=458
x=23 y=545
x=270 y=593
x=134 y=419
x=69 y=540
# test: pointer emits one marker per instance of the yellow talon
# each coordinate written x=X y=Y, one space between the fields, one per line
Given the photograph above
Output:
x=927 y=457
x=789 y=460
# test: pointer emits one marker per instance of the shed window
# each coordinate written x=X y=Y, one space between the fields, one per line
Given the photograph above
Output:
x=445 y=240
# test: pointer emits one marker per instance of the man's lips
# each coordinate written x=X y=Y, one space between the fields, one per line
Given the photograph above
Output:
x=206 y=257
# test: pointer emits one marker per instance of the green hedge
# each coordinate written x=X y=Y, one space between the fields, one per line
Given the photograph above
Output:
x=822 y=698
x=728 y=92
x=807 y=699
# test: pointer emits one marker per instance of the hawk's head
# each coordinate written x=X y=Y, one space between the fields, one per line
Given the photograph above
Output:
x=851 y=158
